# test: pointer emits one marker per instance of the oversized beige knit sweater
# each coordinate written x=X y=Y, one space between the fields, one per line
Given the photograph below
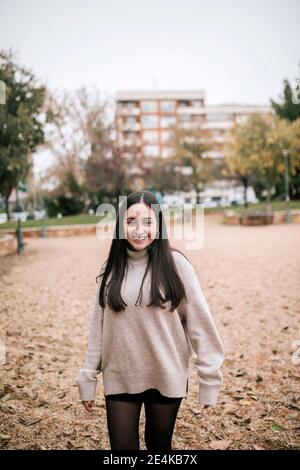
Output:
x=148 y=347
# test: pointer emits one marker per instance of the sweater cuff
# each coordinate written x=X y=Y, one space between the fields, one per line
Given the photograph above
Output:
x=87 y=390
x=208 y=394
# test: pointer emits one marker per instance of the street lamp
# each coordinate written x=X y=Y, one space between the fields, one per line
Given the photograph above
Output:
x=285 y=153
x=19 y=235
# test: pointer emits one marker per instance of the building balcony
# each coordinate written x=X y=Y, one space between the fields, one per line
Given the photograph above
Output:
x=131 y=127
x=131 y=142
x=122 y=111
x=191 y=110
x=130 y=155
x=191 y=125
x=217 y=125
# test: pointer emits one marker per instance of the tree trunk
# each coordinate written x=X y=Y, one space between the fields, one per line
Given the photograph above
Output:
x=7 y=207
x=17 y=196
x=245 y=195
x=269 y=206
x=198 y=198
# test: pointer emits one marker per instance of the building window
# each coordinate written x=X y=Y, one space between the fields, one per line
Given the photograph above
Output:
x=165 y=136
x=185 y=117
x=150 y=121
x=166 y=121
x=150 y=136
x=219 y=117
x=151 y=150
x=130 y=120
x=183 y=103
x=149 y=106
x=196 y=103
x=198 y=118
x=129 y=104
x=130 y=135
x=168 y=106
x=167 y=152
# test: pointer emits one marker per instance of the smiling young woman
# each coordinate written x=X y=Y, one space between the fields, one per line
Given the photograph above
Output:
x=149 y=316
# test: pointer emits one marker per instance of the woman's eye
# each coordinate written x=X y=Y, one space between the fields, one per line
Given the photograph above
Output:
x=133 y=222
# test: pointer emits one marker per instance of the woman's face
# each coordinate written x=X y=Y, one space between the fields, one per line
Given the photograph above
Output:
x=140 y=226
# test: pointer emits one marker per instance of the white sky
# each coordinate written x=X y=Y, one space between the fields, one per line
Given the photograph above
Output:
x=237 y=51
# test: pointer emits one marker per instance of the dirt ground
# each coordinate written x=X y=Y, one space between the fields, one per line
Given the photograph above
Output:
x=251 y=279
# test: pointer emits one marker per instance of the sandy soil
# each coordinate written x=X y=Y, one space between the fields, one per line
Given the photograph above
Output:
x=251 y=279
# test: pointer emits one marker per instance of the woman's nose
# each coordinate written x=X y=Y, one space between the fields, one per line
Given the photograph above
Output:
x=140 y=229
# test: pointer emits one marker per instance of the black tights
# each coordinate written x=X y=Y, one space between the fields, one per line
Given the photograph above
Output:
x=123 y=424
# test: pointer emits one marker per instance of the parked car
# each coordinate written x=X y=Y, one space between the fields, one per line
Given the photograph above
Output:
x=40 y=214
x=22 y=216
x=27 y=215
x=3 y=218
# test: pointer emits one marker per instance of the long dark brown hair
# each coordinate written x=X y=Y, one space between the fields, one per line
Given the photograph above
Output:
x=164 y=273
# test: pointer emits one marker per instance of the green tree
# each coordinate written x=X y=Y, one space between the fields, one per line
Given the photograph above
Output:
x=271 y=137
x=255 y=151
x=21 y=123
x=289 y=105
x=160 y=175
x=242 y=143
x=194 y=168
x=288 y=108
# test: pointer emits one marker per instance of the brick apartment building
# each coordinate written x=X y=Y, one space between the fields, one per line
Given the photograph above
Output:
x=143 y=120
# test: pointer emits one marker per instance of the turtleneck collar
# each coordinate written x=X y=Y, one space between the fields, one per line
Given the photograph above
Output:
x=139 y=256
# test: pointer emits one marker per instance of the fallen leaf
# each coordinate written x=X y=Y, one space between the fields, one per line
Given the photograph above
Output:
x=9 y=409
x=277 y=427
x=67 y=406
x=6 y=397
x=246 y=402
x=28 y=422
x=220 y=445
x=241 y=374
x=293 y=406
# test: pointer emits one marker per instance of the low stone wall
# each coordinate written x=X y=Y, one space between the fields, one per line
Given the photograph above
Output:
x=280 y=217
x=54 y=231
x=229 y=217
x=260 y=217
x=61 y=230
x=8 y=244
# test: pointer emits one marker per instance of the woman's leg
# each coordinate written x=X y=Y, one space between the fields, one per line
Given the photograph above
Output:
x=160 y=422
x=123 y=424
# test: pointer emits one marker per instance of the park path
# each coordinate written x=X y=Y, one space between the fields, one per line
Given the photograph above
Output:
x=251 y=279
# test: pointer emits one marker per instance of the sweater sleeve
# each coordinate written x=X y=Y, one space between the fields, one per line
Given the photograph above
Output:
x=202 y=333
x=87 y=376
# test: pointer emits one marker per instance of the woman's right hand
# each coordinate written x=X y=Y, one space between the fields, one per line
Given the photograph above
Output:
x=88 y=405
